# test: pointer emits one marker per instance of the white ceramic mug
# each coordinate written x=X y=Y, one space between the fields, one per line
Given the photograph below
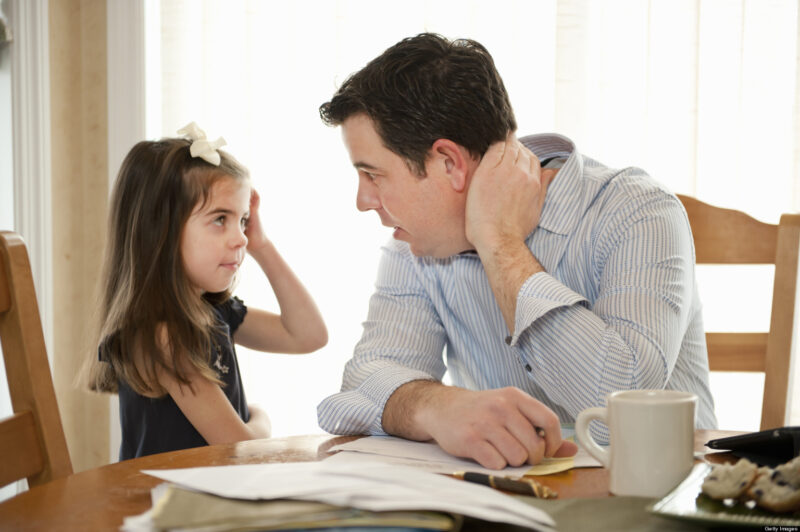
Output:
x=651 y=439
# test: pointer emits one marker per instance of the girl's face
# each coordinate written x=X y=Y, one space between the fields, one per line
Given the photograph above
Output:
x=213 y=243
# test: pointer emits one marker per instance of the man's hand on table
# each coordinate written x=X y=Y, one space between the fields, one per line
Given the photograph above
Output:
x=495 y=428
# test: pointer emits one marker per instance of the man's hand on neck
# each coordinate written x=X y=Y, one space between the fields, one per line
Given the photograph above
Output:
x=504 y=205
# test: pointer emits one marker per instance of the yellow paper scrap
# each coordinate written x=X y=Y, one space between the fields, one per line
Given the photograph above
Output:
x=550 y=466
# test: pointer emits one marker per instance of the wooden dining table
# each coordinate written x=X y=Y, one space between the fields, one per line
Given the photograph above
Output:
x=99 y=499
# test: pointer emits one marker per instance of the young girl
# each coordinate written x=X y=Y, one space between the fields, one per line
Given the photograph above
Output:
x=183 y=215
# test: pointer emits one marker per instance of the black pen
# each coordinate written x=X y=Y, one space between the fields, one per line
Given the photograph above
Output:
x=523 y=486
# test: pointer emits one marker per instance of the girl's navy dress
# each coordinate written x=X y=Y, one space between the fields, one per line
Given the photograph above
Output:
x=152 y=426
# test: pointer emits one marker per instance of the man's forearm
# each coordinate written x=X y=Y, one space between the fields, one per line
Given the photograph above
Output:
x=508 y=264
x=403 y=411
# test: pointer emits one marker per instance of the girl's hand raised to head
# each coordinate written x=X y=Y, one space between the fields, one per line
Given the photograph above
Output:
x=299 y=328
x=256 y=238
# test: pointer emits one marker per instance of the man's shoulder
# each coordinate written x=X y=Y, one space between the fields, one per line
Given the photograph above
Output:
x=629 y=188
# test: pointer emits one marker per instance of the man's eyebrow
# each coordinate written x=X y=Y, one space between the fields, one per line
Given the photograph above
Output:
x=364 y=166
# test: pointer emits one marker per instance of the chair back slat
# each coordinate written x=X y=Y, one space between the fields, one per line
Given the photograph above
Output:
x=30 y=384
x=17 y=437
x=727 y=236
x=737 y=351
x=782 y=322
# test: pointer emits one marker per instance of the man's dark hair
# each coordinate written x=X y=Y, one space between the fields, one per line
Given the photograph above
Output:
x=426 y=88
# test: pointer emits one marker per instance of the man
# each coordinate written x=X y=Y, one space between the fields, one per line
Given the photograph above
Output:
x=550 y=279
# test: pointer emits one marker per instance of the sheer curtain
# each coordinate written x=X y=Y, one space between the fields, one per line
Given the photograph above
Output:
x=702 y=94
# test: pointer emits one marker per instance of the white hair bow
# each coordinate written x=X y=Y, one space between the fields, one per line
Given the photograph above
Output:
x=202 y=147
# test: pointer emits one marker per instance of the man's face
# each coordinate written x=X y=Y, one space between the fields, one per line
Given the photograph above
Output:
x=426 y=212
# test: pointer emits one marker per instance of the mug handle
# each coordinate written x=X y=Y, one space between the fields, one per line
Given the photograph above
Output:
x=585 y=439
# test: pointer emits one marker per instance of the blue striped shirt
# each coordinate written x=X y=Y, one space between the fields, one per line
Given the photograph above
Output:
x=617 y=307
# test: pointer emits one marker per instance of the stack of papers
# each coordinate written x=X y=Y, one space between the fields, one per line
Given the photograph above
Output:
x=373 y=486
x=176 y=508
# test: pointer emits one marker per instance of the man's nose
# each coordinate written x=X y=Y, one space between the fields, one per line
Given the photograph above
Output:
x=367 y=195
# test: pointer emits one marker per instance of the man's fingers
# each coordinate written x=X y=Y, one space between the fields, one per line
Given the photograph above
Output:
x=552 y=440
x=513 y=151
x=513 y=451
x=526 y=159
x=518 y=151
x=525 y=433
x=495 y=154
x=536 y=452
x=547 y=176
x=567 y=448
x=542 y=417
x=534 y=164
x=488 y=456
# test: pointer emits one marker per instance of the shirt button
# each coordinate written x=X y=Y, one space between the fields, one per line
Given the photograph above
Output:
x=508 y=340
x=528 y=367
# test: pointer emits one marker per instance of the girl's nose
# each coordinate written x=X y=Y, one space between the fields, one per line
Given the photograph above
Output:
x=367 y=195
x=239 y=238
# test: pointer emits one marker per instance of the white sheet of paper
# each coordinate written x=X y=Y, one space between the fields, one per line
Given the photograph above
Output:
x=372 y=486
x=430 y=457
x=421 y=455
x=355 y=458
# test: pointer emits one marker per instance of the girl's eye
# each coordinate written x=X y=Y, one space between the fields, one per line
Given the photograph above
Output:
x=244 y=222
x=219 y=220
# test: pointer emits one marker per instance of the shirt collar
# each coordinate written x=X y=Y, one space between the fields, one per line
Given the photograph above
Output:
x=565 y=195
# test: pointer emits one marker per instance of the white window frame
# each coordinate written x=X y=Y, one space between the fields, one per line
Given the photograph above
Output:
x=30 y=96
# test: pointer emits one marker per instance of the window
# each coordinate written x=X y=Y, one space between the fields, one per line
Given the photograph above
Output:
x=702 y=94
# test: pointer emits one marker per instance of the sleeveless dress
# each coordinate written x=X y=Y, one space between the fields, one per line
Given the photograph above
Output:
x=157 y=425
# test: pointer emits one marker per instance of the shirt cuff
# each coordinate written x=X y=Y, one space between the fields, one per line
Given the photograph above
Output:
x=360 y=410
x=540 y=294
x=378 y=387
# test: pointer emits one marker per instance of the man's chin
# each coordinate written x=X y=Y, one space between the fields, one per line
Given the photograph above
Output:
x=438 y=253
x=419 y=253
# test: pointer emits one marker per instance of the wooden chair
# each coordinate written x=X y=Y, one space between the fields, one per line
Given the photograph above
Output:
x=32 y=442
x=725 y=236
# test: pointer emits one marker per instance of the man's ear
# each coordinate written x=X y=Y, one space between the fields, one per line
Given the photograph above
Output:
x=452 y=160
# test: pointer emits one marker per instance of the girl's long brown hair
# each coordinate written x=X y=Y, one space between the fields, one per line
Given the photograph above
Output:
x=144 y=292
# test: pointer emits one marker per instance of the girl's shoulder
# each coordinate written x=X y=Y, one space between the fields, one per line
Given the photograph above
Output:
x=231 y=311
